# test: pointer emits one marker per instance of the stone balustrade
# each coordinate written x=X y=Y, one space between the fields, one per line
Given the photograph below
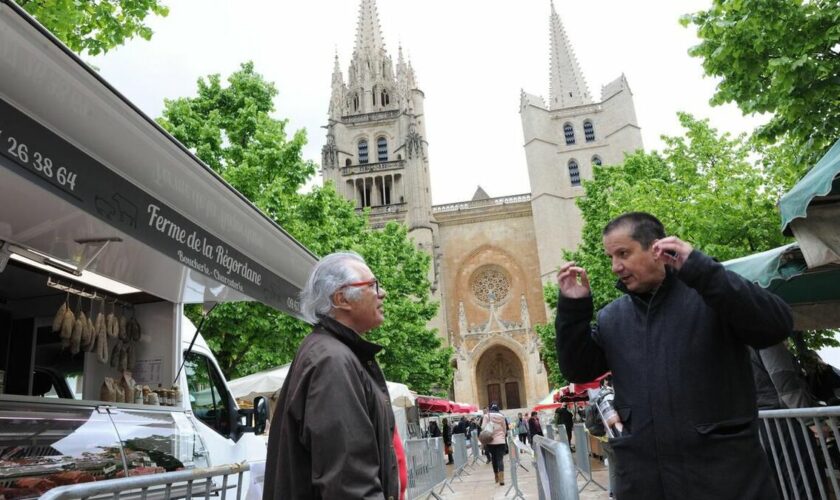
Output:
x=372 y=167
x=490 y=202
x=385 y=209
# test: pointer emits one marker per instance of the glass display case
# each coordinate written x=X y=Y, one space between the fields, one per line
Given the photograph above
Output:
x=44 y=446
x=47 y=445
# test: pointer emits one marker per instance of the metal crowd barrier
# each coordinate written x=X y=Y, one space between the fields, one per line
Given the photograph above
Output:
x=562 y=436
x=513 y=451
x=582 y=453
x=459 y=456
x=476 y=449
x=802 y=448
x=556 y=472
x=180 y=484
x=426 y=470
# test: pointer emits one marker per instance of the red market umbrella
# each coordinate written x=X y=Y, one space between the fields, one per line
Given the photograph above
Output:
x=432 y=405
x=547 y=406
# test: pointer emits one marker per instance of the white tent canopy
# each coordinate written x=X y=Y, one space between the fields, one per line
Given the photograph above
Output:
x=264 y=383
x=267 y=382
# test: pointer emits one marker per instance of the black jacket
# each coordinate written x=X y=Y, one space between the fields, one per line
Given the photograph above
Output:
x=332 y=432
x=682 y=378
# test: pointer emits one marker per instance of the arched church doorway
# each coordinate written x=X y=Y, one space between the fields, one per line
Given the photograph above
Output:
x=500 y=378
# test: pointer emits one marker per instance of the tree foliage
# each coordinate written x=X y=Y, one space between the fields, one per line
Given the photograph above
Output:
x=95 y=26
x=548 y=352
x=230 y=128
x=780 y=57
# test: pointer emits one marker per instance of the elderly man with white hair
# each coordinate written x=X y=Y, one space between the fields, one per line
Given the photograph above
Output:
x=332 y=428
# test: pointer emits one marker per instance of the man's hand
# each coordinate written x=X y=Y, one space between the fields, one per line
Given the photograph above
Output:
x=573 y=282
x=672 y=250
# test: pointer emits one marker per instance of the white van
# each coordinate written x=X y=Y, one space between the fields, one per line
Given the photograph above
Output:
x=102 y=212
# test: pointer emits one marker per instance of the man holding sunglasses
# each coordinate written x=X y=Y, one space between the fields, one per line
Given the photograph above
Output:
x=332 y=429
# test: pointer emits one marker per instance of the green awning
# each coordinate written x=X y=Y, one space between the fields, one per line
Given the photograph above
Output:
x=813 y=294
x=811 y=211
x=823 y=180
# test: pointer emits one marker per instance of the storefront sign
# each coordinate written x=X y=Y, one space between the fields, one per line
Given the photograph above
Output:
x=43 y=157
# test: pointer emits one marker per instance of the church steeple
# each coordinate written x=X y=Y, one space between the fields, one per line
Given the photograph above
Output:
x=339 y=91
x=370 y=78
x=368 y=33
x=568 y=87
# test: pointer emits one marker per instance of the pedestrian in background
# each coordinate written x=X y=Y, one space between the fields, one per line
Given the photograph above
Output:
x=675 y=342
x=779 y=385
x=332 y=435
x=564 y=417
x=462 y=427
x=522 y=428
x=447 y=441
x=534 y=426
x=498 y=445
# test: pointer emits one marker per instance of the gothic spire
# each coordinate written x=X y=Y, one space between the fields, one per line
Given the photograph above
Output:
x=337 y=76
x=568 y=87
x=338 y=92
x=369 y=40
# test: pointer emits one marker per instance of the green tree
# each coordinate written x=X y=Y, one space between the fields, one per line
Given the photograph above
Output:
x=413 y=353
x=95 y=26
x=780 y=57
x=548 y=353
x=230 y=128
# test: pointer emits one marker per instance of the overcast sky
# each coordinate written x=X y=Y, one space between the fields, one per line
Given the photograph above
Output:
x=471 y=58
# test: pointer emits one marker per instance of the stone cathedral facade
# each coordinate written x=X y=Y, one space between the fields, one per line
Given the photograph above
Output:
x=490 y=256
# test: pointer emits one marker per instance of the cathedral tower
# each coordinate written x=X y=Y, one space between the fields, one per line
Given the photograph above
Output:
x=376 y=153
x=564 y=138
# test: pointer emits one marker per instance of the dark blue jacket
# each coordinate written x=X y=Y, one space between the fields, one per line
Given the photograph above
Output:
x=682 y=378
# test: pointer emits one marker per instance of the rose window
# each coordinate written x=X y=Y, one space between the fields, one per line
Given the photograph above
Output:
x=490 y=284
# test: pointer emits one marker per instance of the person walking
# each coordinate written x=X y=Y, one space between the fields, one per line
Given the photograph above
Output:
x=565 y=418
x=462 y=427
x=675 y=342
x=497 y=447
x=522 y=428
x=534 y=426
x=447 y=441
x=332 y=429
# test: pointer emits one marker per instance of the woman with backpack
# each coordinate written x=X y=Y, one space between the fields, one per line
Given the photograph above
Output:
x=493 y=435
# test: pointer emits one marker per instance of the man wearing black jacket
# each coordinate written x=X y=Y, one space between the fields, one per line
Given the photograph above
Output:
x=676 y=343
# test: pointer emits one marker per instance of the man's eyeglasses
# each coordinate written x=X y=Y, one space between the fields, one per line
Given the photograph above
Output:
x=374 y=283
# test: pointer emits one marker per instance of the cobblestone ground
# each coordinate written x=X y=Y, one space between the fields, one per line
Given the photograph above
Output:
x=478 y=482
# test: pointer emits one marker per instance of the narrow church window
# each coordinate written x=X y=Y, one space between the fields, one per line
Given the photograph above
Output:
x=373 y=95
x=385 y=99
x=355 y=102
x=347 y=162
x=588 y=131
x=569 y=132
x=596 y=160
x=574 y=173
x=382 y=149
x=363 y=151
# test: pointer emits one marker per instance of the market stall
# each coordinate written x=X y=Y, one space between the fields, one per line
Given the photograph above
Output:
x=108 y=226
